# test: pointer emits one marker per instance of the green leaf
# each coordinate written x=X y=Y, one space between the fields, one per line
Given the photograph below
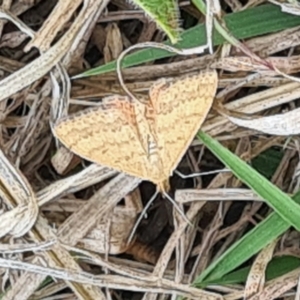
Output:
x=165 y=14
x=277 y=267
x=251 y=22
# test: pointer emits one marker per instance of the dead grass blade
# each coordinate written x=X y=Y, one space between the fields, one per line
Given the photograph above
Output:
x=88 y=215
x=42 y=65
x=257 y=102
x=113 y=281
x=256 y=277
x=229 y=194
x=18 y=194
x=277 y=287
x=282 y=124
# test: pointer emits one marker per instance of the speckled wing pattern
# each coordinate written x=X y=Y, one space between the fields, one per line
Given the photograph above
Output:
x=146 y=141
x=107 y=134
x=180 y=108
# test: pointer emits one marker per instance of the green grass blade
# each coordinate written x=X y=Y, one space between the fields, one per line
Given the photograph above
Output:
x=256 y=239
x=251 y=22
x=274 y=197
x=278 y=266
x=165 y=14
x=250 y=244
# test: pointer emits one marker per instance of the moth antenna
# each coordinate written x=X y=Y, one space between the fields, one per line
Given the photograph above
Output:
x=138 y=221
x=199 y=49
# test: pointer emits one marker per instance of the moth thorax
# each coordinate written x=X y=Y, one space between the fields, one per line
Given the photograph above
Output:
x=153 y=153
x=152 y=148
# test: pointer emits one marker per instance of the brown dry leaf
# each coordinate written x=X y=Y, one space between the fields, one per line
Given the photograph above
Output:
x=256 y=278
x=53 y=24
x=17 y=193
x=13 y=40
x=251 y=104
x=122 y=221
x=277 y=287
x=282 y=124
x=64 y=160
x=113 y=45
x=239 y=194
x=242 y=63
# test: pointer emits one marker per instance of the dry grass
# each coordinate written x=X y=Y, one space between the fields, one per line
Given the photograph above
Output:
x=62 y=216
